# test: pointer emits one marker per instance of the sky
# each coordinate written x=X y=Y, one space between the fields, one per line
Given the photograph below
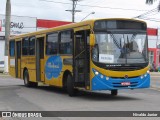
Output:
x=49 y=9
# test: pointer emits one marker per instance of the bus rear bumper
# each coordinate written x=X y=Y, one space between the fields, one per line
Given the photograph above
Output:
x=99 y=83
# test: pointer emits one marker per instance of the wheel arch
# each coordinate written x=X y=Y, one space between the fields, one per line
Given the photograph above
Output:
x=25 y=69
x=64 y=80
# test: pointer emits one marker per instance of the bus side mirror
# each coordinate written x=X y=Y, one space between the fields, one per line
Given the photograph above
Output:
x=92 y=40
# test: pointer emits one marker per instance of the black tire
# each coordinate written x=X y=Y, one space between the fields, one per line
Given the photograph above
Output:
x=27 y=83
x=114 y=92
x=70 y=86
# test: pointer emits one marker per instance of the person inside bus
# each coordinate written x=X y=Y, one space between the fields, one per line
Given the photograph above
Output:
x=128 y=49
x=50 y=49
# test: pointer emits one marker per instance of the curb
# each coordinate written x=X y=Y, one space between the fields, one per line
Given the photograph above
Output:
x=154 y=72
x=3 y=75
x=154 y=87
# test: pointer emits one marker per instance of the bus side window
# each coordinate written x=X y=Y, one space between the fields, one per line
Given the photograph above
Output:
x=12 y=48
x=65 y=42
x=25 y=46
x=52 y=44
x=32 y=46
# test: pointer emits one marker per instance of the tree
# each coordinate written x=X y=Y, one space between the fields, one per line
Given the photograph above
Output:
x=150 y=1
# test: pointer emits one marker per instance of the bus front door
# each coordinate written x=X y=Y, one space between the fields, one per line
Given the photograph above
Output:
x=40 y=59
x=18 y=59
x=81 y=59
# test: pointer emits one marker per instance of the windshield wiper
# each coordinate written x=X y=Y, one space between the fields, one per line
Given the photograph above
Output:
x=115 y=41
x=133 y=37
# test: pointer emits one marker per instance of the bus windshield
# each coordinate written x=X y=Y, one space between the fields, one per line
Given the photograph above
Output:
x=118 y=48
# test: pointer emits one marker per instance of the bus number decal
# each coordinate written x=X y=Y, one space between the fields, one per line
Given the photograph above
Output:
x=53 y=67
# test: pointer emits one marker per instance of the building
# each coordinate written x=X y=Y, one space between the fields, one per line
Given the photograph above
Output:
x=44 y=24
x=154 y=47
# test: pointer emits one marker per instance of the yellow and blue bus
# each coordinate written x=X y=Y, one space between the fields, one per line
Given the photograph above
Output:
x=102 y=54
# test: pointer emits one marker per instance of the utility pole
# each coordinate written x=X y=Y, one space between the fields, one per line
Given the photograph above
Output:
x=7 y=34
x=73 y=11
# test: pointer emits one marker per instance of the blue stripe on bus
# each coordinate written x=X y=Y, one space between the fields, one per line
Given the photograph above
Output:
x=99 y=83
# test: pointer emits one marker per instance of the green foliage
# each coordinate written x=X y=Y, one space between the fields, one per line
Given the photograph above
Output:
x=150 y=1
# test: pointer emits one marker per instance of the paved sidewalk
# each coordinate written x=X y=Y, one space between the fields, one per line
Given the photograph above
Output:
x=4 y=74
x=155 y=80
x=155 y=73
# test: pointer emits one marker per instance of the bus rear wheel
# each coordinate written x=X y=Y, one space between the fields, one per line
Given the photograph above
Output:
x=70 y=86
x=114 y=92
x=27 y=83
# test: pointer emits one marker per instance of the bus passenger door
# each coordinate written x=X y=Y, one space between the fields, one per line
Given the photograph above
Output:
x=81 y=59
x=18 y=59
x=40 y=58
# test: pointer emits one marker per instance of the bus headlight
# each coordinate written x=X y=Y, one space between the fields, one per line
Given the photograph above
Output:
x=96 y=73
x=142 y=77
x=107 y=78
x=148 y=71
x=101 y=76
x=145 y=75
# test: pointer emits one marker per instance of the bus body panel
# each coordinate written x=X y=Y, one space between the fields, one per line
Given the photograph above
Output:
x=29 y=63
x=42 y=61
x=55 y=68
x=106 y=78
x=111 y=73
x=19 y=68
x=102 y=82
x=12 y=66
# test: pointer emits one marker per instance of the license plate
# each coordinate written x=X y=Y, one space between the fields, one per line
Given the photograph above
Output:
x=125 y=83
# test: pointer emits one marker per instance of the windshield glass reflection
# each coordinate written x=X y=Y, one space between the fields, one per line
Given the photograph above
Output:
x=120 y=48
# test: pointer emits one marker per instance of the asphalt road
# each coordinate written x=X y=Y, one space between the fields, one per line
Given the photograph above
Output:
x=14 y=96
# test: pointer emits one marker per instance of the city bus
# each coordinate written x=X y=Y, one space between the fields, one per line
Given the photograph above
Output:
x=93 y=55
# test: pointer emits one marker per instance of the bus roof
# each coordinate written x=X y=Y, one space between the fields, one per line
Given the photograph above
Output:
x=69 y=26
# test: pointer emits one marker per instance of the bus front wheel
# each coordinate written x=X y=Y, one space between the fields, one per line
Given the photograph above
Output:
x=114 y=92
x=70 y=86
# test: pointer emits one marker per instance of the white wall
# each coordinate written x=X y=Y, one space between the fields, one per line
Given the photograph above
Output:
x=19 y=25
x=152 y=41
x=2 y=50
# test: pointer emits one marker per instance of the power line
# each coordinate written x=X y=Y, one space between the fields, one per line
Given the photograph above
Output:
x=147 y=13
x=94 y=2
x=151 y=19
x=154 y=13
x=93 y=6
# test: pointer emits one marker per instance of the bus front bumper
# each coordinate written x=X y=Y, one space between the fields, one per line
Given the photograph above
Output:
x=101 y=82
